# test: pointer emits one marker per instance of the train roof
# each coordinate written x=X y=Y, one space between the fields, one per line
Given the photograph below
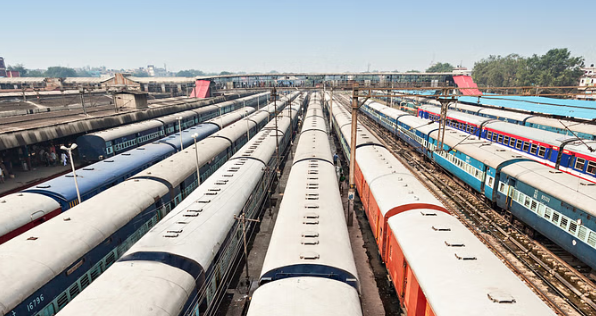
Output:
x=29 y=261
x=140 y=289
x=203 y=219
x=310 y=228
x=456 y=279
x=573 y=190
x=506 y=114
x=305 y=296
x=551 y=138
x=464 y=117
x=586 y=128
x=173 y=118
x=125 y=130
x=102 y=173
x=392 y=184
x=15 y=210
x=482 y=150
x=203 y=130
x=562 y=107
x=363 y=136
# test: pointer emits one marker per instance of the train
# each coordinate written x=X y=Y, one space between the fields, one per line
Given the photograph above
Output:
x=104 y=144
x=569 y=154
x=184 y=264
x=18 y=213
x=45 y=268
x=309 y=267
x=558 y=205
x=435 y=264
x=584 y=130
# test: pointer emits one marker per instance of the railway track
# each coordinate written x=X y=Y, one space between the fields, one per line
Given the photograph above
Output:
x=560 y=285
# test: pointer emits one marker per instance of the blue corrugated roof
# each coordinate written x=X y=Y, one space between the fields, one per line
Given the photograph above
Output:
x=564 y=107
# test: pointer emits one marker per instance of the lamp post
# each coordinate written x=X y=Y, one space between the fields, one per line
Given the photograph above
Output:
x=194 y=137
x=180 y=131
x=69 y=150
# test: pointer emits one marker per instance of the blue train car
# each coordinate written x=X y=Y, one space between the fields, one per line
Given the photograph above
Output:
x=555 y=204
x=102 y=175
x=559 y=206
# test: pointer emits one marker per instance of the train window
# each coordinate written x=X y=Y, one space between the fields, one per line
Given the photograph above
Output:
x=512 y=142
x=526 y=146
x=555 y=218
x=500 y=138
x=533 y=149
x=534 y=205
x=580 y=163
x=563 y=223
x=572 y=227
x=519 y=144
x=506 y=140
x=541 y=151
x=489 y=134
x=591 y=167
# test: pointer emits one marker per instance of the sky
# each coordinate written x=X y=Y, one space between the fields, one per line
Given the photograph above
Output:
x=289 y=36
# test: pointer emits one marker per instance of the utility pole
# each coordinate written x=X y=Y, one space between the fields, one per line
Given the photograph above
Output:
x=242 y=218
x=352 y=189
x=331 y=110
x=83 y=100
x=274 y=95
x=443 y=119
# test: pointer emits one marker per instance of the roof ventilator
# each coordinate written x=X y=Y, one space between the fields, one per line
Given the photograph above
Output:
x=464 y=257
x=441 y=229
x=454 y=244
x=501 y=297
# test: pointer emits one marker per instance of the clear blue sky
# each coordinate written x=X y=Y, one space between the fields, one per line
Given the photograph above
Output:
x=296 y=36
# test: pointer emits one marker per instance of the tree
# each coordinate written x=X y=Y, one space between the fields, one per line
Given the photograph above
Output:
x=440 y=67
x=35 y=73
x=60 y=72
x=555 y=68
x=273 y=72
x=20 y=68
x=139 y=73
x=190 y=73
x=83 y=73
x=223 y=73
x=412 y=71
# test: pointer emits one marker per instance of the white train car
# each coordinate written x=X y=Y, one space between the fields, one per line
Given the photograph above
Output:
x=309 y=268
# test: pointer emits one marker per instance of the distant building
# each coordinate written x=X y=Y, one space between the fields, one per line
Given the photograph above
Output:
x=2 y=67
x=12 y=74
x=588 y=80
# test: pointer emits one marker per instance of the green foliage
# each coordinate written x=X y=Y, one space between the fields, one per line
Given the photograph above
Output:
x=555 y=68
x=140 y=74
x=223 y=73
x=20 y=68
x=412 y=71
x=440 y=67
x=83 y=73
x=35 y=73
x=190 y=73
x=60 y=72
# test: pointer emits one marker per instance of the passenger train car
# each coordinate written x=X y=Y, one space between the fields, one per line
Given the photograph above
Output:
x=184 y=264
x=565 y=127
x=436 y=265
x=18 y=214
x=309 y=268
x=556 y=204
x=104 y=144
x=569 y=154
x=44 y=269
